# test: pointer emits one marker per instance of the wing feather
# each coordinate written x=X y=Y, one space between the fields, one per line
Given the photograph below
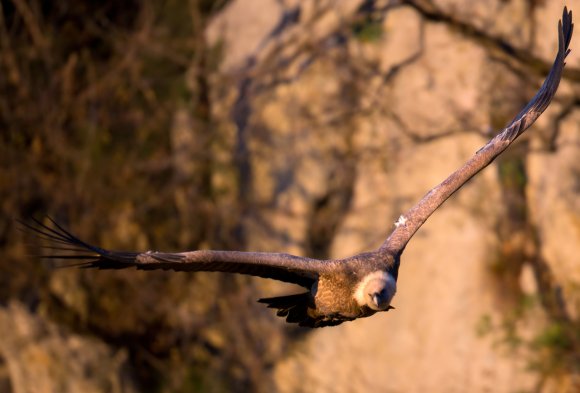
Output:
x=278 y=266
x=411 y=221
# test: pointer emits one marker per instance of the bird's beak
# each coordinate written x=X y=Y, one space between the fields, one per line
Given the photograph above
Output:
x=376 y=300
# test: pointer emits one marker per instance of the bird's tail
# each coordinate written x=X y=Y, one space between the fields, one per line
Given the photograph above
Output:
x=293 y=307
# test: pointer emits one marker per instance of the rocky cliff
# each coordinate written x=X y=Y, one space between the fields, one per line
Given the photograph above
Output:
x=308 y=128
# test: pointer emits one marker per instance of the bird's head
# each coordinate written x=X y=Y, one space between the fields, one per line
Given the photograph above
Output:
x=376 y=291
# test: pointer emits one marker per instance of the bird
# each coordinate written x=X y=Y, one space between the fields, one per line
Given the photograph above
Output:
x=336 y=290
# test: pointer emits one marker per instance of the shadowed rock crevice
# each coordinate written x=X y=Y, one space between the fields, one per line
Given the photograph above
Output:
x=5 y=384
x=329 y=210
x=510 y=53
x=556 y=346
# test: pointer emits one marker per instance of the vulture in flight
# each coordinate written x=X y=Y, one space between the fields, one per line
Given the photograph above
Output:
x=336 y=290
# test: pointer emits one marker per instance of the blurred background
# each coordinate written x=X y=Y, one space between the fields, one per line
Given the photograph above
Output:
x=305 y=127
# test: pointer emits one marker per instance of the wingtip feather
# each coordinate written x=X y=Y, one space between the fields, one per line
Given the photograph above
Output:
x=69 y=247
x=565 y=30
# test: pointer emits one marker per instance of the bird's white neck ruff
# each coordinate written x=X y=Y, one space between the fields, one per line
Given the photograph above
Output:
x=359 y=294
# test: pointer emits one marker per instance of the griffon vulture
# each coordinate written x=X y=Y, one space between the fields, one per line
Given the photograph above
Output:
x=337 y=290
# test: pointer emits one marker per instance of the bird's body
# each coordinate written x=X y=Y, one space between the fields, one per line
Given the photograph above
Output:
x=346 y=292
x=337 y=290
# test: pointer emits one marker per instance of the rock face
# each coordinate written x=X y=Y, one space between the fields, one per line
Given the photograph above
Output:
x=304 y=127
x=390 y=115
x=554 y=191
x=40 y=357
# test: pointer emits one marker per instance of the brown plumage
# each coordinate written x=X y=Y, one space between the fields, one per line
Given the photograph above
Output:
x=338 y=290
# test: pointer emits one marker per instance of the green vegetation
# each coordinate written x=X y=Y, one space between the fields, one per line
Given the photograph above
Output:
x=368 y=30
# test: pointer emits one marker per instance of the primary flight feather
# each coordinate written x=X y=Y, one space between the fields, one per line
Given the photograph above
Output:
x=337 y=290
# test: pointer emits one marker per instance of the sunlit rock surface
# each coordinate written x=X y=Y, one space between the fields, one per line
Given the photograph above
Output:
x=38 y=356
x=450 y=331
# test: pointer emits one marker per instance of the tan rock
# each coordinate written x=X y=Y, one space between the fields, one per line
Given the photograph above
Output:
x=408 y=133
x=41 y=357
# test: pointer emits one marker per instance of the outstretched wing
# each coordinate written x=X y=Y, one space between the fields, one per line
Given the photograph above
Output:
x=283 y=267
x=411 y=221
